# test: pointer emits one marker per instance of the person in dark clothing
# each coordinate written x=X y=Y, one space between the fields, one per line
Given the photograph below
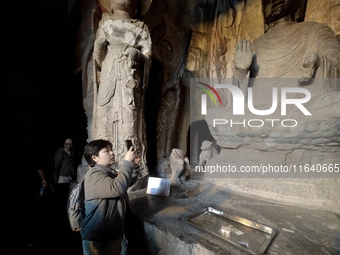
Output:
x=65 y=171
x=106 y=199
x=66 y=161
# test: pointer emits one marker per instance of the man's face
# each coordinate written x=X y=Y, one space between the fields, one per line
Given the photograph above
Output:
x=105 y=157
x=68 y=144
x=274 y=10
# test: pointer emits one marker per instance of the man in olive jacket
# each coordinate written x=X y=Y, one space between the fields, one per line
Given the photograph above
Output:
x=106 y=199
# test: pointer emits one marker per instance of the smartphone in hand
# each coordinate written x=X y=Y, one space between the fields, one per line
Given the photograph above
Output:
x=128 y=144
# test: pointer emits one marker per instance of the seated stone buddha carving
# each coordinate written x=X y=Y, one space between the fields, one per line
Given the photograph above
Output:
x=290 y=48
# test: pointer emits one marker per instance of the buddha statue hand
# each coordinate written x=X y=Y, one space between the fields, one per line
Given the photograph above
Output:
x=243 y=57
x=310 y=64
x=134 y=57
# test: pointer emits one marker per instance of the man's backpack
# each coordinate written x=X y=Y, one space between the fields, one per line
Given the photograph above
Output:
x=76 y=206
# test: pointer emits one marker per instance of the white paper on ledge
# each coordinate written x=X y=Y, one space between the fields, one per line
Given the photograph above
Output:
x=158 y=186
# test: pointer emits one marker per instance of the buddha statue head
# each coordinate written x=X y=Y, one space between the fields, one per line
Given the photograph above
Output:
x=274 y=10
x=135 y=8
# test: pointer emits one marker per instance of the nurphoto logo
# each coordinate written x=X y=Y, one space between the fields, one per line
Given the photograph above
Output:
x=210 y=91
x=240 y=101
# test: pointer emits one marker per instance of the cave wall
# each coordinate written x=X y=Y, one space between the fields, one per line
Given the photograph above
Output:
x=197 y=39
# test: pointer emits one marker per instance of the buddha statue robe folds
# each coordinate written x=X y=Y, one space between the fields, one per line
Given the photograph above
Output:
x=122 y=51
x=287 y=51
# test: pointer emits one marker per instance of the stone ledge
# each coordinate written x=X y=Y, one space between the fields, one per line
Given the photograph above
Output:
x=301 y=230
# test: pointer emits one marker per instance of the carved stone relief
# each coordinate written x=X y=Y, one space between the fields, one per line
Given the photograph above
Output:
x=215 y=28
x=90 y=18
x=226 y=30
x=169 y=39
x=285 y=51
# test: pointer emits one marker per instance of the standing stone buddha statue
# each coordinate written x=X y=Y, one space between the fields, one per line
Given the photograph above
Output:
x=122 y=60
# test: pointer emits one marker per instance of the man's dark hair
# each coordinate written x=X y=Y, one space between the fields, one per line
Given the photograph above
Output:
x=93 y=148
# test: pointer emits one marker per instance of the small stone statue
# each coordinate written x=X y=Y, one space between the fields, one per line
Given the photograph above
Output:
x=180 y=167
x=208 y=151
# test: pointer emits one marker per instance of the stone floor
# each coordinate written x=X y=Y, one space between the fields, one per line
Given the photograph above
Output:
x=164 y=230
x=300 y=231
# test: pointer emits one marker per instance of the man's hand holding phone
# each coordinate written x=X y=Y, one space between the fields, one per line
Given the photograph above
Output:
x=131 y=154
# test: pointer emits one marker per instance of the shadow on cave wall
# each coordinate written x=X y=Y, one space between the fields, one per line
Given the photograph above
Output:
x=198 y=132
